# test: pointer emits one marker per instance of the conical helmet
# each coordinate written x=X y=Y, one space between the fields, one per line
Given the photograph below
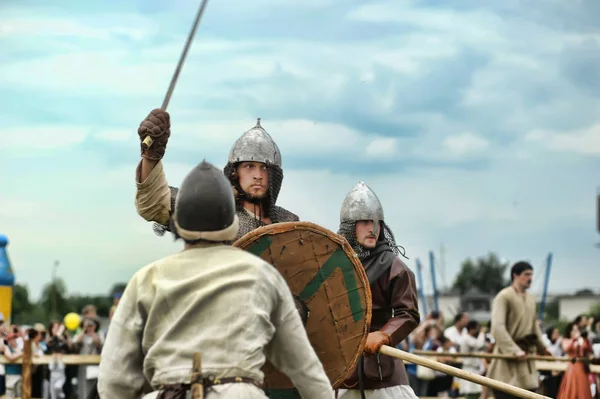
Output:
x=361 y=203
x=255 y=145
x=205 y=206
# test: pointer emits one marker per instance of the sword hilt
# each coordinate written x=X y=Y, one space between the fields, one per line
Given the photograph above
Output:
x=147 y=143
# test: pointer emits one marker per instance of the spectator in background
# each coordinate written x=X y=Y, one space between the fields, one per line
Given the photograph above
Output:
x=581 y=322
x=88 y=342
x=455 y=332
x=418 y=340
x=436 y=317
x=442 y=383
x=57 y=377
x=489 y=348
x=3 y=343
x=59 y=342
x=474 y=340
x=553 y=341
x=575 y=383
x=592 y=332
x=13 y=371
x=551 y=379
x=37 y=374
x=58 y=339
x=42 y=330
x=15 y=329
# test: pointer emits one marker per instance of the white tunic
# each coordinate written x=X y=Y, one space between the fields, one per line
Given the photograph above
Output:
x=473 y=365
x=395 y=392
x=229 y=305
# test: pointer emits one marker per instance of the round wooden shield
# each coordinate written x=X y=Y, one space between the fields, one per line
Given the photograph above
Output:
x=325 y=274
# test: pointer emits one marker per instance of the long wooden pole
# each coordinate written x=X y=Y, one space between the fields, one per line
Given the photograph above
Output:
x=197 y=386
x=26 y=370
x=455 y=372
x=483 y=355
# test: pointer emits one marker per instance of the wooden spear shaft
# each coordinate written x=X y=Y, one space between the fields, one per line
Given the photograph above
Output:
x=455 y=372
x=483 y=355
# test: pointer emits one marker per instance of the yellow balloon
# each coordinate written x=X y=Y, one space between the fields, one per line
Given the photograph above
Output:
x=72 y=321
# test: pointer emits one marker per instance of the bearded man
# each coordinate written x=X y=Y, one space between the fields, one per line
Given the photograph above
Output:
x=253 y=169
x=213 y=298
x=394 y=293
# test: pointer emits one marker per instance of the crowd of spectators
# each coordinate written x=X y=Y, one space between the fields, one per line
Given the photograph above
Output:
x=464 y=335
x=55 y=380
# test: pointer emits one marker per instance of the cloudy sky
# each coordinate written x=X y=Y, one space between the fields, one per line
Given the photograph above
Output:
x=477 y=125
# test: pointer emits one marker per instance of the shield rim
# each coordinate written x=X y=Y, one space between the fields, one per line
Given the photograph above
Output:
x=284 y=227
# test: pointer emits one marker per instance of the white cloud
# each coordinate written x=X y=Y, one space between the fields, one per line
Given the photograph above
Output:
x=93 y=228
x=124 y=134
x=91 y=26
x=465 y=143
x=42 y=137
x=384 y=147
x=11 y=208
x=87 y=219
x=295 y=136
x=584 y=141
x=477 y=26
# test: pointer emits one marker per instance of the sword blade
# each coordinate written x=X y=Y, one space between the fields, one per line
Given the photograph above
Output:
x=186 y=48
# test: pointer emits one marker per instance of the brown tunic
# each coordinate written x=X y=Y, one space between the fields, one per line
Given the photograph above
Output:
x=514 y=319
x=395 y=312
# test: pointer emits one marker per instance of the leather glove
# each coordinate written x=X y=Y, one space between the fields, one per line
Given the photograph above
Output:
x=158 y=126
x=374 y=342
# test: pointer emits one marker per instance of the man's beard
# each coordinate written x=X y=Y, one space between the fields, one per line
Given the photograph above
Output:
x=256 y=198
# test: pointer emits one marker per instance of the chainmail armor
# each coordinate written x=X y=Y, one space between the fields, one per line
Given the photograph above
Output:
x=348 y=231
x=247 y=220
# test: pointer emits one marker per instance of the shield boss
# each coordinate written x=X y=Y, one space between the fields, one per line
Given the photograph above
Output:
x=328 y=279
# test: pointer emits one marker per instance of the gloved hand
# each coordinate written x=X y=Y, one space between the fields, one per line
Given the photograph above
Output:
x=158 y=126
x=374 y=342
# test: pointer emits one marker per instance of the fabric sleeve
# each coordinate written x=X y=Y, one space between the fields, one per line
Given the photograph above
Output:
x=121 y=366
x=504 y=341
x=290 y=350
x=406 y=308
x=153 y=196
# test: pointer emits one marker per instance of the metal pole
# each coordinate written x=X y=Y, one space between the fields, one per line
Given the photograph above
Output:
x=435 y=292
x=546 y=282
x=421 y=288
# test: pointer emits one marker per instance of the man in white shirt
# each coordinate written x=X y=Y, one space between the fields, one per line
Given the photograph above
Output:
x=455 y=332
x=216 y=299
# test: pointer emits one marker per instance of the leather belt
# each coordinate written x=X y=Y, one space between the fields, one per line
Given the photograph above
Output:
x=176 y=391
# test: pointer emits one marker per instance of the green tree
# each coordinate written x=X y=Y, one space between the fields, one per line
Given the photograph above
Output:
x=117 y=288
x=101 y=302
x=595 y=310
x=551 y=311
x=20 y=300
x=486 y=273
x=23 y=311
x=54 y=299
